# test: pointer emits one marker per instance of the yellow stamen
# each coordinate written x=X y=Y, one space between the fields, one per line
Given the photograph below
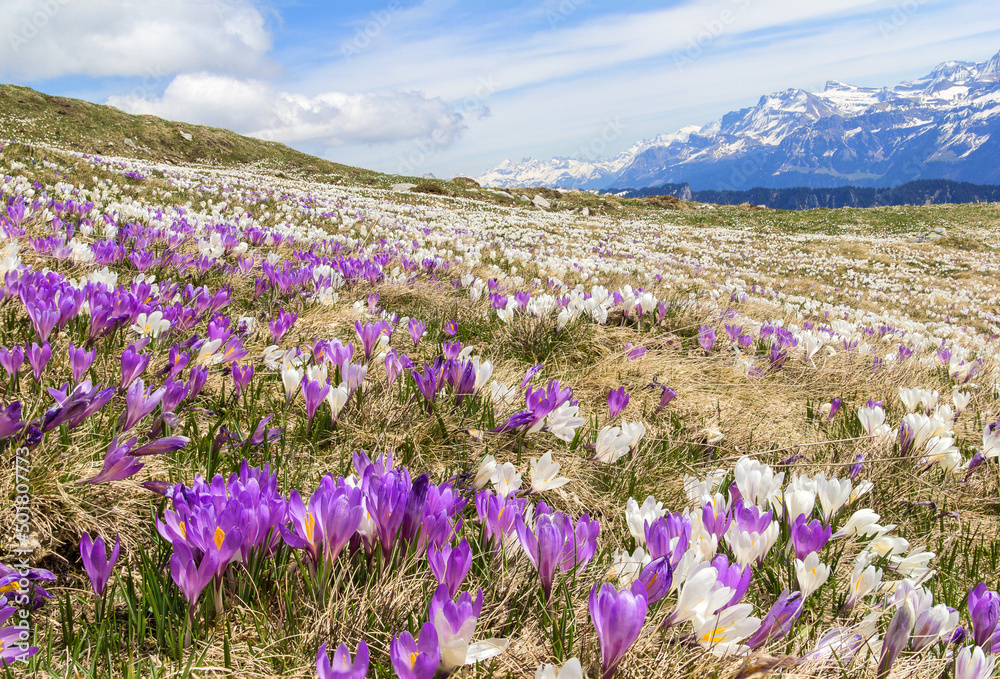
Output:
x=310 y=526
x=413 y=659
x=220 y=537
x=12 y=587
x=184 y=532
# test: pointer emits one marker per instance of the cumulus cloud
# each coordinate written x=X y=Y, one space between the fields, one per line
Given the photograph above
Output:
x=329 y=119
x=52 y=38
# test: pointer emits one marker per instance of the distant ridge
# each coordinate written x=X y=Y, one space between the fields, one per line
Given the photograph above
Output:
x=945 y=125
x=920 y=192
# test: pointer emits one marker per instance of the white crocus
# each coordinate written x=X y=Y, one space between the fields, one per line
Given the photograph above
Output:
x=151 y=325
x=636 y=517
x=485 y=472
x=833 y=494
x=700 y=594
x=571 y=670
x=864 y=579
x=506 y=480
x=611 y=445
x=811 y=574
x=563 y=422
x=544 y=474
x=721 y=633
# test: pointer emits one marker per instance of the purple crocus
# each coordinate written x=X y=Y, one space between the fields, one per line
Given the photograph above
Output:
x=706 y=338
x=618 y=618
x=314 y=392
x=834 y=407
x=118 y=463
x=668 y=536
x=11 y=359
x=732 y=576
x=38 y=357
x=341 y=667
x=133 y=364
x=809 y=536
x=451 y=328
x=617 y=400
x=531 y=372
x=96 y=561
x=779 y=619
x=555 y=544
x=167 y=444
x=666 y=396
x=416 y=329
x=10 y=420
x=657 y=577
x=393 y=366
x=897 y=635
x=416 y=659
x=455 y=622
x=241 y=377
x=984 y=612
x=281 y=324
x=859 y=461
x=80 y=361
x=139 y=402
x=369 y=334
x=450 y=564
x=426 y=382
x=190 y=576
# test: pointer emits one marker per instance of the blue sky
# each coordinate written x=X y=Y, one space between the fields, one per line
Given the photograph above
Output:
x=456 y=87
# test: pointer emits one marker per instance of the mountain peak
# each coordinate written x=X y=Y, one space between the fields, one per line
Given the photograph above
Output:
x=843 y=135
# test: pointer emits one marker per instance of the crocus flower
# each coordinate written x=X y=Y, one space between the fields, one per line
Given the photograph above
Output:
x=779 y=619
x=167 y=444
x=139 y=402
x=80 y=361
x=96 y=561
x=617 y=400
x=451 y=328
x=984 y=611
x=38 y=357
x=555 y=544
x=706 y=338
x=544 y=474
x=455 y=622
x=416 y=659
x=896 y=636
x=314 y=393
x=11 y=359
x=571 y=670
x=133 y=364
x=371 y=335
x=618 y=618
x=809 y=536
x=341 y=667
x=416 y=329
x=450 y=564
x=10 y=420
x=118 y=463
x=241 y=377
x=972 y=663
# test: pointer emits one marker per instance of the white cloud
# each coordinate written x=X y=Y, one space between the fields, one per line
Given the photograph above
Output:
x=51 y=38
x=330 y=119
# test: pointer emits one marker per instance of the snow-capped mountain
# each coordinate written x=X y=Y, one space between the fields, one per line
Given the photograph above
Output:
x=945 y=125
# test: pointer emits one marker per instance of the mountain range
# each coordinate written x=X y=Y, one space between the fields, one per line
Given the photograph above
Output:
x=945 y=125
